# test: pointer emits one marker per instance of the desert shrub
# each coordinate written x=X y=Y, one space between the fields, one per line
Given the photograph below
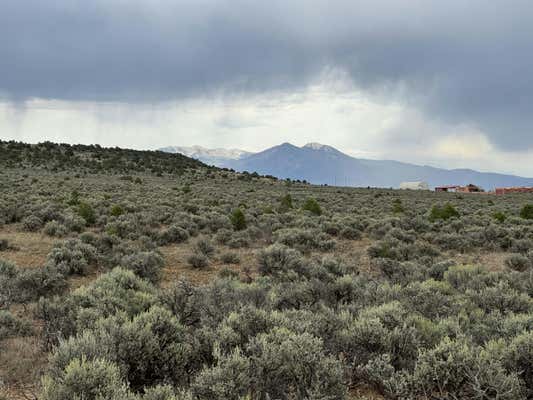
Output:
x=8 y=283
x=4 y=245
x=32 y=283
x=205 y=247
x=288 y=365
x=452 y=241
x=57 y=317
x=161 y=341
x=198 y=260
x=519 y=358
x=397 y=206
x=331 y=228
x=443 y=212
x=381 y=374
x=32 y=223
x=437 y=270
x=74 y=223
x=350 y=233
x=499 y=216
x=238 y=220
x=400 y=272
x=216 y=221
x=72 y=257
x=230 y=378
x=458 y=369
x=285 y=203
x=54 y=228
x=518 y=262
x=312 y=206
x=181 y=298
x=203 y=250
x=116 y=210
x=305 y=239
x=151 y=348
x=146 y=264
x=527 y=211
x=277 y=259
x=230 y=258
x=501 y=297
x=116 y=291
x=223 y=236
x=165 y=392
x=86 y=379
x=86 y=211
x=239 y=240
x=12 y=326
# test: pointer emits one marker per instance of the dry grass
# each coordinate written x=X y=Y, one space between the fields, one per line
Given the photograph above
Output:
x=492 y=260
x=22 y=363
x=176 y=266
x=31 y=248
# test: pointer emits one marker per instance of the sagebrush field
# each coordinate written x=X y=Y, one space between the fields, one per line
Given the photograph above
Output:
x=145 y=275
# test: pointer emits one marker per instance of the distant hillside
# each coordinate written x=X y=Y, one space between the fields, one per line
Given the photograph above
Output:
x=93 y=158
x=322 y=164
x=218 y=157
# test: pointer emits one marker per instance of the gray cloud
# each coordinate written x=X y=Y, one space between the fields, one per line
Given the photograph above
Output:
x=464 y=62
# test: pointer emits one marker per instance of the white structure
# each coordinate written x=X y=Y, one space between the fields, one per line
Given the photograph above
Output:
x=414 y=185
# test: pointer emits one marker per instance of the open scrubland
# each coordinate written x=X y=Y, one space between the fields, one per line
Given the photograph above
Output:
x=149 y=276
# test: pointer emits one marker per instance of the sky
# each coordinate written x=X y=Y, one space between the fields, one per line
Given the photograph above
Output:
x=442 y=83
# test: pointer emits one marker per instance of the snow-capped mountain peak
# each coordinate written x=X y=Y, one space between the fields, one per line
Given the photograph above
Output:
x=319 y=147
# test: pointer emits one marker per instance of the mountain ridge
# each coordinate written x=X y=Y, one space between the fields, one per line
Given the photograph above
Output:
x=323 y=164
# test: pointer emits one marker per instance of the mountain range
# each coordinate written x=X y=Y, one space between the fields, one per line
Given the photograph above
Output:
x=322 y=164
x=217 y=157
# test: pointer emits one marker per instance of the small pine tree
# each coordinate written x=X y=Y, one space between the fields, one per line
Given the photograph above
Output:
x=499 y=216
x=238 y=220
x=285 y=203
x=87 y=213
x=312 y=206
x=527 y=211
x=444 y=213
x=397 y=206
x=116 y=210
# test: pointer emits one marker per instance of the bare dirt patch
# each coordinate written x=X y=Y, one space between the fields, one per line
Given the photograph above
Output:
x=176 y=266
x=30 y=249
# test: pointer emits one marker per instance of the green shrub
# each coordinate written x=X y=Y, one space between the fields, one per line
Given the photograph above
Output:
x=519 y=358
x=238 y=220
x=499 y=216
x=285 y=203
x=205 y=247
x=443 y=213
x=289 y=365
x=54 y=228
x=72 y=257
x=312 y=206
x=397 y=206
x=230 y=258
x=277 y=259
x=230 y=378
x=198 y=260
x=88 y=380
x=116 y=210
x=146 y=264
x=32 y=223
x=86 y=211
x=456 y=369
x=518 y=262
x=527 y=211
x=12 y=326
x=173 y=234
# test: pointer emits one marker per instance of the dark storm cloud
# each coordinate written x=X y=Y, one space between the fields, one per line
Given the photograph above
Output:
x=462 y=61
